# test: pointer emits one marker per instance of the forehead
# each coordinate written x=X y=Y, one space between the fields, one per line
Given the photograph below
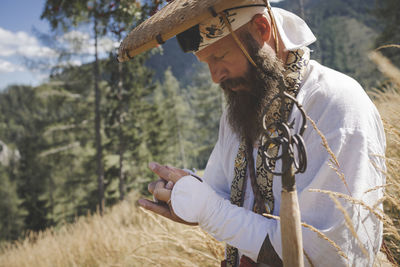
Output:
x=224 y=44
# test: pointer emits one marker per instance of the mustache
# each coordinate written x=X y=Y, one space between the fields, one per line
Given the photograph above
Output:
x=230 y=83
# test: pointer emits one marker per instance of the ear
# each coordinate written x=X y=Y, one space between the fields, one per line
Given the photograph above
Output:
x=262 y=28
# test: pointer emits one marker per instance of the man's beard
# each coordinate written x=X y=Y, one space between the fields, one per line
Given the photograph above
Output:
x=246 y=107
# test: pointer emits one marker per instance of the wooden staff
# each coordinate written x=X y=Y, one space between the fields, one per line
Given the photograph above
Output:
x=291 y=236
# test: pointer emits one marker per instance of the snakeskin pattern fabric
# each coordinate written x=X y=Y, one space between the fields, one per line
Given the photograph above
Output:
x=295 y=68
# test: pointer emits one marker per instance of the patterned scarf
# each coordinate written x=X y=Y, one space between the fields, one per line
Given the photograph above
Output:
x=295 y=69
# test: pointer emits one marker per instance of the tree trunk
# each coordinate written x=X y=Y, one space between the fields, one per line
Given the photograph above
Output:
x=99 y=148
x=301 y=5
x=51 y=196
x=181 y=148
x=121 y=149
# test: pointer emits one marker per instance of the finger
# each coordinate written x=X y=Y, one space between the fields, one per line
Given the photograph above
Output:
x=169 y=185
x=160 y=185
x=178 y=219
x=163 y=171
x=162 y=194
x=151 y=187
x=179 y=172
x=159 y=209
x=167 y=172
x=162 y=210
x=175 y=173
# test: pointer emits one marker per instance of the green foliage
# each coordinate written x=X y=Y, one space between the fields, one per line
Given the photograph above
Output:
x=176 y=121
x=128 y=99
x=22 y=125
x=346 y=32
x=11 y=223
x=207 y=105
x=182 y=65
x=105 y=17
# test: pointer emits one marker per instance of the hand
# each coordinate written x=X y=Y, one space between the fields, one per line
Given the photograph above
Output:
x=161 y=190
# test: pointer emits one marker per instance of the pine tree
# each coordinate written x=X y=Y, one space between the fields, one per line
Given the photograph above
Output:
x=22 y=125
x=68 y=154
x=156 y=127
x=128 y=100
x=129 y=86
x=69 y=14
x=11 y=214
x=207 y=102
x=177 y=122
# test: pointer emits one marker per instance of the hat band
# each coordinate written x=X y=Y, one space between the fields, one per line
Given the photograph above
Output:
x=237 y=40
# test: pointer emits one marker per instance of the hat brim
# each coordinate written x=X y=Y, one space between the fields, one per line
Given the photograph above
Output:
x=174 y=18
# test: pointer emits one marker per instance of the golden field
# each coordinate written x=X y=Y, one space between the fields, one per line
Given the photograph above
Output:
x=125 y=236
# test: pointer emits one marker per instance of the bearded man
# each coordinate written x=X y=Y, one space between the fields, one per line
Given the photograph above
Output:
x=248 y=49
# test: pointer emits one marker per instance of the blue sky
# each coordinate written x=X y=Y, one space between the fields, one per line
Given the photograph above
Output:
x=20 y=45
x=17 y=20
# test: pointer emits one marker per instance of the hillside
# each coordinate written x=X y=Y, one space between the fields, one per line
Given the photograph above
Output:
x=346 y=31
x=183 y=65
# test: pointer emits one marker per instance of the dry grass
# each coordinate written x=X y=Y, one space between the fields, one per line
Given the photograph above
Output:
x=125 y=236
x=386 y=67
x=389 y=106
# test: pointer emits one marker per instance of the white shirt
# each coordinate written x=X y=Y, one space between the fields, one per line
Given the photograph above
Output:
x=353 y=128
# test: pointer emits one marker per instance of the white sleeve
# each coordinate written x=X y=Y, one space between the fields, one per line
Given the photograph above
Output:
x=194 y=201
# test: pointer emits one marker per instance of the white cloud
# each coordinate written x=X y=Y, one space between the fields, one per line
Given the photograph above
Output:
x=82 y=43
x=6 y=67
x=77 y=42
x=20 y=43
x=15 y=45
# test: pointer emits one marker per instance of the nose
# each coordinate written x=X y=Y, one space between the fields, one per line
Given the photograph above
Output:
x=218 y=72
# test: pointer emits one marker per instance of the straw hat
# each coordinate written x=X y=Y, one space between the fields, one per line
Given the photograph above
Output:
x=174 y=18
x=181 y=15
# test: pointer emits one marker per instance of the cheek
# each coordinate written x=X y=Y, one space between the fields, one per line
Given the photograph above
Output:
x=239 y=68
